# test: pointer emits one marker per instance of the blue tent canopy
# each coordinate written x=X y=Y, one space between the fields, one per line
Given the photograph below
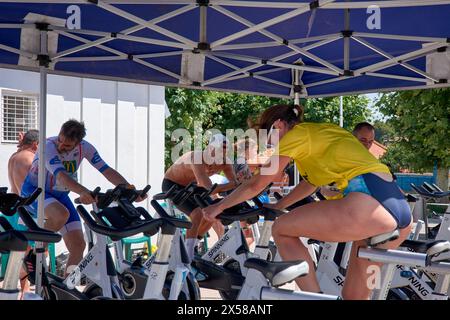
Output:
x=289 y=48
x=313 y=48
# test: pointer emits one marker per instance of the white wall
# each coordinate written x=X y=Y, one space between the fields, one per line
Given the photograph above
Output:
x=124 y=121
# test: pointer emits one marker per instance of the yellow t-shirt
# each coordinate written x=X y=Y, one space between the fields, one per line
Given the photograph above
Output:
x=327 y=154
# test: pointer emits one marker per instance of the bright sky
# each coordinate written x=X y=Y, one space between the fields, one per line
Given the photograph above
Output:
x=376 y=115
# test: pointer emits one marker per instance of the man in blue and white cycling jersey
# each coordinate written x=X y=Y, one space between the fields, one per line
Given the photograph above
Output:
x=63 y=156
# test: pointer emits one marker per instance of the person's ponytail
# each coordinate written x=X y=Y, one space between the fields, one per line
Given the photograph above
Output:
x=292 y=114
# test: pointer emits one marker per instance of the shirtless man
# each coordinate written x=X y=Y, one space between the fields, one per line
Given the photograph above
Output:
x=185 y=170
x=18 y=165
x=20 y=161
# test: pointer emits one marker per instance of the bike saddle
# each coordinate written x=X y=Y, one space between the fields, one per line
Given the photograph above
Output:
x=383 y=238
x=430 y=247
x=278 y=272
x=314 y=241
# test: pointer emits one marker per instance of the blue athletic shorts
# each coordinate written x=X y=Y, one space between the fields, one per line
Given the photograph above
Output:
x=387 y=193
x=73 y=223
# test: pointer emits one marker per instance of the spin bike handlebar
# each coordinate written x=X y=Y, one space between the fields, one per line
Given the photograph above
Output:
x=177 y=222
x=119 y=192
x=252 y=215
x=179 y=196
x=94 y=194
x=423 y=192
x=192 y=189
x=11 y=240
x=35 y=233
x=431 y=187
x=165 y=195
x=147 y=226
x=10 y=202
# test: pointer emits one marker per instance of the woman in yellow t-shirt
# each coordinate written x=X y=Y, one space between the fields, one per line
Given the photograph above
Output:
x=325 y=154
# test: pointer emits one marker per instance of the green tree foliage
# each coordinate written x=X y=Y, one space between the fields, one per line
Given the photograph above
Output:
x=356 y=109
x=218 y=110
x=384 y=132
x=224 y=111
x=420 y=120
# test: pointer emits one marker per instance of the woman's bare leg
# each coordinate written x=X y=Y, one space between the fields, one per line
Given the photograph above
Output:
x=355 y=217
x=356 y=286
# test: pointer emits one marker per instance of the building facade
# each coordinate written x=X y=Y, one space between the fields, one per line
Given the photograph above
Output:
x=124 y=121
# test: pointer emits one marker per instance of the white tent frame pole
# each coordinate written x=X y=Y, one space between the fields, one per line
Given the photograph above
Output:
x=241 y=76
x=373 y=74
x=124 y=34
x=135 y=59
x=86 y=59
x=79 y=48
x=278 y=39
x=231 y=75
x=159 y=54
x=386 y=4
x=247 y=74
x=346 y=61
x=42 y=172
x=340 y=5
x=346 y=40
x=389 y=56
x=162 y=70
x=393 y=76
x=103 y=40
x=279 y=83
x=146 y=24
x=398 y=37
x=260 y=4
x=123 y=57
x=255 y=45
x=296 y=102
x=272 y=63
x=302 y=9
x=318 y=83
x=152 y=41
x=316 y=38
x=202 y=37
x=17 y=51
x=269 y=71
x=224 y=77
x=410 y=55
x=17 y=25
x=419 y=87
x=181 y=2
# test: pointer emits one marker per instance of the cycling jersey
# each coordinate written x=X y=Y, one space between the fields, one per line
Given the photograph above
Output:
x=327 y=154
x=69 y=162
x=56 y=162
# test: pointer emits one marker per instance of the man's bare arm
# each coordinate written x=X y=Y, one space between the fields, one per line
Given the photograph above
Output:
x=202 y=178
x=114 y=177
x=70 y=183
